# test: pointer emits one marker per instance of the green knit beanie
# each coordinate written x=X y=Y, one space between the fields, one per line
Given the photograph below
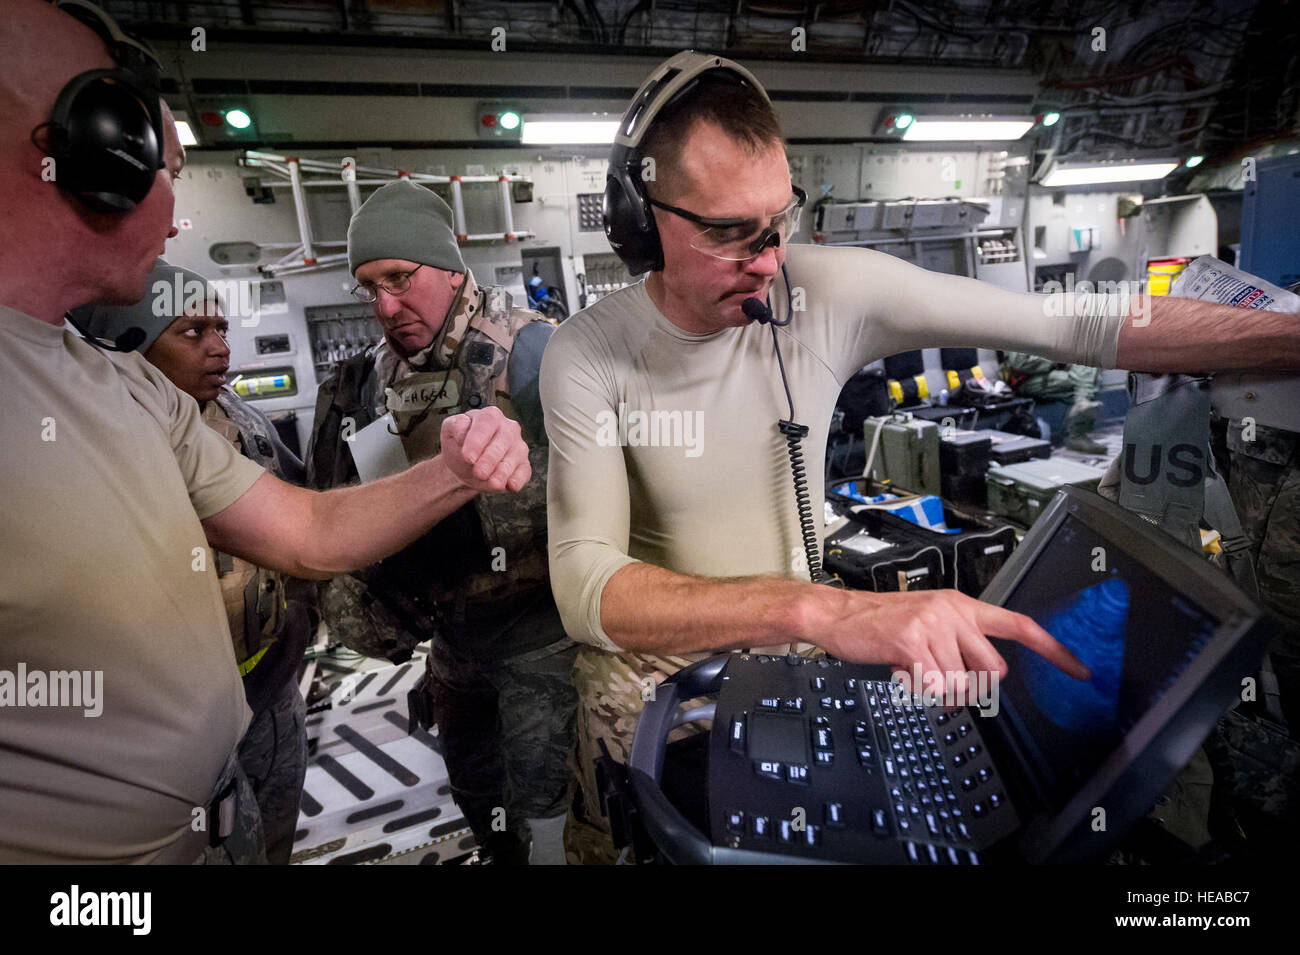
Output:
x=402 y=220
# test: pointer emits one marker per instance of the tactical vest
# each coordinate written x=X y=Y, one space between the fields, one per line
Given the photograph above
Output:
x=255 y=598
x=492 y=548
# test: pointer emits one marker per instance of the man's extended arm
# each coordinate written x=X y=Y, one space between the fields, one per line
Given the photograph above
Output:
x=1184 y=335
x=610 y=600
x=943 y=631
x=905 y=307
x=316 y=534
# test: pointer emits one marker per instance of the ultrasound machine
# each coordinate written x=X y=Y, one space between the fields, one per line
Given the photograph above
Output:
x=818 y=760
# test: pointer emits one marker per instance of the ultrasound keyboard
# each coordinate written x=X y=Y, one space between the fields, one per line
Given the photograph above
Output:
x=817 y=758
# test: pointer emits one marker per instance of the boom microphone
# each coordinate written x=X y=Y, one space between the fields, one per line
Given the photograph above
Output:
x=756 y=310
x=129 y=340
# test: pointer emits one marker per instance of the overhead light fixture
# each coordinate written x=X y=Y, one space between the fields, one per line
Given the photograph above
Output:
x=1049 y=119
x=184 y=131
x=1194 y=161
x=935 y=129
x=1086 y=174
x=568 y=129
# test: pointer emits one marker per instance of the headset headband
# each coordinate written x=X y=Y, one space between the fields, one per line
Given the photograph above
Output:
x=629 y=223
x=669 y=80
x=131 y=54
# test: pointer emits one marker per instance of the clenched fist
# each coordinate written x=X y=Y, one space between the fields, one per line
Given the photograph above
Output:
x=484 y=450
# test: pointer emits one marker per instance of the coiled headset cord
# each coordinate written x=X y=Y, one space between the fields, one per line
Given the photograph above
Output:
x=793 y=432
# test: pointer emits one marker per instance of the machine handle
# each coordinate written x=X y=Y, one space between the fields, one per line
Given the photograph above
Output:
x=680 y=841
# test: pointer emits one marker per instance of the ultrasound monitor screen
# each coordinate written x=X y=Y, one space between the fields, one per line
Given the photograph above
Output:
x=1132 y=630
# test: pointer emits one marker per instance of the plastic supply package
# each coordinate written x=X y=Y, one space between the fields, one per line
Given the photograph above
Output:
x=1270 y=400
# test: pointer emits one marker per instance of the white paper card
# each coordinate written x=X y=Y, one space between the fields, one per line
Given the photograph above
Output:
x=378 y=452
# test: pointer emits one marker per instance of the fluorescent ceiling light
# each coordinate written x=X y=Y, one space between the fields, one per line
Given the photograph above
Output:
x=567 y=129
x=185 y=134
x=1092 y=173
x=969 y=128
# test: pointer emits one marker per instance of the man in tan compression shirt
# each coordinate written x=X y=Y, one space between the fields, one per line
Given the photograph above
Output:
x=673 y=526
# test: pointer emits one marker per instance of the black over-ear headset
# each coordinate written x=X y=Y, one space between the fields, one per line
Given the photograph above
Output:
x=629 y=223
x=105 y=133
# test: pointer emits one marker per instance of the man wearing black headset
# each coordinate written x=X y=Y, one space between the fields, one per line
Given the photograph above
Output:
x=122 y=706
x=662 y=550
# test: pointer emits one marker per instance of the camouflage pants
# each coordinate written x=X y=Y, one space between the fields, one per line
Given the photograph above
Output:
x=1264 y=479
x=245 y=845
x=1260 y=780
x=611 y=689
x=273 y=754
x=1261 y=764
x=506 y=730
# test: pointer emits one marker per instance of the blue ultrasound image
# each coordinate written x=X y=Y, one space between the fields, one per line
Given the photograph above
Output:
x=1092 y=624
x=1130 y=628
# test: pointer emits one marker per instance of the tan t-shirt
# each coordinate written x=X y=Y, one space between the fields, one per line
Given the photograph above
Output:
x=105 y=472
x=705 y=487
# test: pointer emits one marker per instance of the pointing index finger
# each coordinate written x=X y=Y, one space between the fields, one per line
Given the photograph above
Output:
x=1000 y=622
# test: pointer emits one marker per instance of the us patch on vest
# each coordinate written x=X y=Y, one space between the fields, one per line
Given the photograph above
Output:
x=481 y=353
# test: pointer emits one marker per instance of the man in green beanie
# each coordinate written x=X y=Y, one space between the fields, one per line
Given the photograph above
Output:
x=272 y=616
x=498 y=681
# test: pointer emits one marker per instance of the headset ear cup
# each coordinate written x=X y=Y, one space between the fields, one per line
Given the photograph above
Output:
x=620 y=225
x=57 y=141
x=104 y=137
x=623 y=211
